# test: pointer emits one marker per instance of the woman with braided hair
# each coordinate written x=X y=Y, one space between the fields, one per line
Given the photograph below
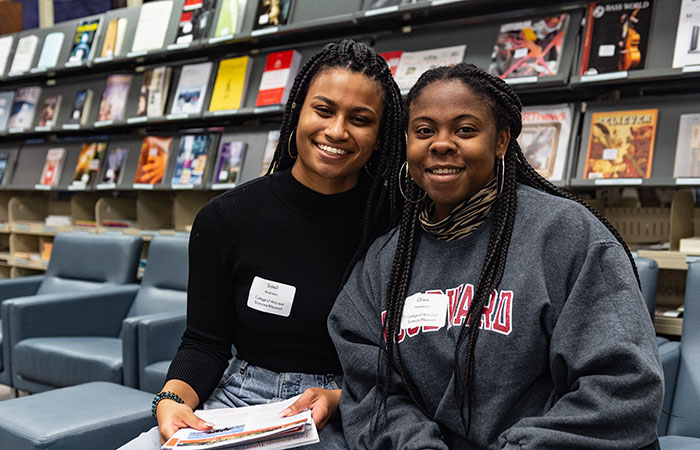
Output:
x=501 y=313
x=268 y=258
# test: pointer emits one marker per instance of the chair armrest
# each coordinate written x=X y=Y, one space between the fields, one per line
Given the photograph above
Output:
x=670 y=356
x=20 y=287
x=160 y=337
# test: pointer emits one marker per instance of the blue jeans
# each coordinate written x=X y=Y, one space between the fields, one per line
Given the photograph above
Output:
x=245 y=385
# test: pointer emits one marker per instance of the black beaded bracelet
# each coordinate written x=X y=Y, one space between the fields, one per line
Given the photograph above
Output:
x=163 y=395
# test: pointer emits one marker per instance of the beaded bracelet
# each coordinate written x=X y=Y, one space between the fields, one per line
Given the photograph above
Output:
x=164 y=395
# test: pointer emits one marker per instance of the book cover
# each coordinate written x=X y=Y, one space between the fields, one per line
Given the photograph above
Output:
x=530 y=47
x=88 y=163
x=191 y=88
x=51 y=50
x=194 y=20
x=544 y=139
x=271 y=13
x=4 y=163
x=231 y=14
x=230 y=162
x=110 y=39
x=392 y=58
x=273 y=138
x=24 y=54
x=53 y=164
x=5 y=49
x=6 y=98
x=278 y=77
x=116 y=157
x=687 y=163
x=414 y=64
x=154 y=92
x=23 y=107
x=621 y=144
x=83 y=41
x=231 y=81
x=616 y=36
x=153 y=160
x=687 y=49
x=81 y=107
x=191 y=159
x=152 y=26
x=114 y=97
x=49 y=111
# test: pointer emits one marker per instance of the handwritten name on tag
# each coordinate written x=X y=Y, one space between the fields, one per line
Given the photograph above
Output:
x=424 y=310
x=271 y=297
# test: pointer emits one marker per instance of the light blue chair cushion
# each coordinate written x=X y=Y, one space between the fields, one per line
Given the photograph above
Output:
x=65 y=361
x=153 y=376
x=679 y=443
x=89 y=416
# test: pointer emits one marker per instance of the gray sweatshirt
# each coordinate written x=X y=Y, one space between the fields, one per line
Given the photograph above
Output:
x=566 y=357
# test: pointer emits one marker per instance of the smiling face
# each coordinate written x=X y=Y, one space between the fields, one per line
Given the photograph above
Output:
x=338 y=130
x=453 y=143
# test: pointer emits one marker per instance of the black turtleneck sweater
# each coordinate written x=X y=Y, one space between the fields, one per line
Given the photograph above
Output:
x=277 y=229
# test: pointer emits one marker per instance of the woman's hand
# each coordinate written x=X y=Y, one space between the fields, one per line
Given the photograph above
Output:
x=172 y=416
x=323 y=404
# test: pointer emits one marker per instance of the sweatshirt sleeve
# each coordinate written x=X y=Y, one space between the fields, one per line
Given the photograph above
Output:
x=604 y=365
x=206 y=344
x=355 y=327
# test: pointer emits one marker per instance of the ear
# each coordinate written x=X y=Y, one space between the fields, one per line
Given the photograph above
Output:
x=502 y=141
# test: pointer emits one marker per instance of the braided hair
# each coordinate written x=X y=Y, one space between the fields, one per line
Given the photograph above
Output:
x=506 y=108
x=385 y=162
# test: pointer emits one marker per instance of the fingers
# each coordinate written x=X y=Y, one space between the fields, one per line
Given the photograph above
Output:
x=320 y=413
x=305 y=401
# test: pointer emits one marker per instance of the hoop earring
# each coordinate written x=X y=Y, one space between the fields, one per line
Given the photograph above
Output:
x=501 y=174
x=408 y=176
x=366 y=166
x=289 y=145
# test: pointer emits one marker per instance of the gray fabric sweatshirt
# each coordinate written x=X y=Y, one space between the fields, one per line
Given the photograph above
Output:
x=566 y=357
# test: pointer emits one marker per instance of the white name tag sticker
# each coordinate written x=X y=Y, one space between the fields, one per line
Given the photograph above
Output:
x=271 y=297
x=424 y=310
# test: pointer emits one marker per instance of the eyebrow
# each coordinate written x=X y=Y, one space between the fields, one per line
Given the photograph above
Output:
x=460 y=117
x=335 y=104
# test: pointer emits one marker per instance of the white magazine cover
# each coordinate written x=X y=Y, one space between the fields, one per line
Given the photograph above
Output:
x=544 y=139
x=687 y=50
x=152 y=26
x=413 y=64
x=191 y=88
x=5 y=49
x=24 y=54
x=51 y=50
x=687 y=162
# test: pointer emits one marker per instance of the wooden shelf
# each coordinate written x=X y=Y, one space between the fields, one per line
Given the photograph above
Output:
x=668 y=259
x=671 y=326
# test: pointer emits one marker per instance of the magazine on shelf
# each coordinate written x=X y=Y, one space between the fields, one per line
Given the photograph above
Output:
x=88 y=164
x=545 y=138
x=195 y=17
x=24 y=54
x=413 y=64
x=687 y=162
x=259 y=427
x=23 y=107
x=4 y=162
x=51 y=172
x=152 y=26
x=191 y=88
x=114 y=37
x=191 y=160
x=154 y=92
x=273 y=138
x=81 y=107
x=84 y=41
x=53 y=42
x=278 y=77
x=49 y=111
x=114 y=97
x=230 y=162
x=231 y=15
x=687 y=48
x=392 y=59
x=153 y=160
x=271 y=13
x=621 y=144
x=616 y=36
x=115 y=159
x=5 y=50
x=5 y=107
x=529 y=47
x=231 y=82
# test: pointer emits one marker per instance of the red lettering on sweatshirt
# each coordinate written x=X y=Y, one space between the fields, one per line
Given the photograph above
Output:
x=502 y=323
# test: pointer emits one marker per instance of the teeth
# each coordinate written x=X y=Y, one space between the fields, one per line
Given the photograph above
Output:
x=332 y=150
x=444 y=171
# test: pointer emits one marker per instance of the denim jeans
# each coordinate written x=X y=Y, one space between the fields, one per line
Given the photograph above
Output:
x=245 y=385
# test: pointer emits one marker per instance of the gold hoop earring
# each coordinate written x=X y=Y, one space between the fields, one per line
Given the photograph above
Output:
x=289 y=145
x=408 y=177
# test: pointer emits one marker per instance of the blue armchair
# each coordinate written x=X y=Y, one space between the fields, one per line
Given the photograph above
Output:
x=679 y=425
x=648 y=271
x=92 y=336
x=80 y=262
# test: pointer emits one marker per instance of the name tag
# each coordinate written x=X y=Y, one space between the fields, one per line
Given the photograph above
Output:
x=271 y=297
x=424 y=310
